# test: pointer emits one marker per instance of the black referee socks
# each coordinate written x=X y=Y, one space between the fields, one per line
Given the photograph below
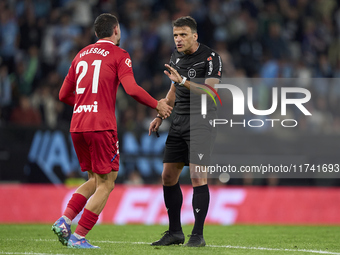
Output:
x=200 y=205
x=173 y=199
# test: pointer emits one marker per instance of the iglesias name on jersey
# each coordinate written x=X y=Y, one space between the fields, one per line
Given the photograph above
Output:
x=95 y=75
x=204 y=63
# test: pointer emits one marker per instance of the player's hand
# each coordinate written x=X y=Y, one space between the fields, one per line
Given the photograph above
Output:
x=173 y=74
x=163 y=108
x=154 y=125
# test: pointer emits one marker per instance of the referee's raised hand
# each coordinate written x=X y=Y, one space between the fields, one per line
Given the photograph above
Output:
x=163 y=108
x=173 y=74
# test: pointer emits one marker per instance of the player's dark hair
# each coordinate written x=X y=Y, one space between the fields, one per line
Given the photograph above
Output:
x=186 y=21
x=104 y=24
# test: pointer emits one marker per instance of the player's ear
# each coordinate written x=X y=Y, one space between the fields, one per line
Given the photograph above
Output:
x=115 y=30
x=95 y=33
x=195 y=36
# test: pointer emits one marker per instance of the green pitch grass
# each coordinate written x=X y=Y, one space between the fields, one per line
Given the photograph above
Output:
x=136 y=239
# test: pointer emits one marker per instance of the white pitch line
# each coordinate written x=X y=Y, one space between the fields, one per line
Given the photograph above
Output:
x=238 y=247
x=213 y=246
x=273 y=249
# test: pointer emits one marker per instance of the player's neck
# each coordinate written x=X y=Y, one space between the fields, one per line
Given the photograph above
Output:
x=193 y=49
x=109 y=39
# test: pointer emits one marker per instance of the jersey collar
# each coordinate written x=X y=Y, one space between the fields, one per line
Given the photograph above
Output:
x=106 y=41
x=197 y=48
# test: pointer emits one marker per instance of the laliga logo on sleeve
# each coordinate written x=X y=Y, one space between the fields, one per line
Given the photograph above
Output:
x=128 y=62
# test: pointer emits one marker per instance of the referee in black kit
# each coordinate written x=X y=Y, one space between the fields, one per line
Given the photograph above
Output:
x=190 y=61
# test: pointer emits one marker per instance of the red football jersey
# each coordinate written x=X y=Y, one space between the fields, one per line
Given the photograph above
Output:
x=95 y=75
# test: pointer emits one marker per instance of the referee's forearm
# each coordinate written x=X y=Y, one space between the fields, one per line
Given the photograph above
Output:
x=171 y=96
x=171 y=101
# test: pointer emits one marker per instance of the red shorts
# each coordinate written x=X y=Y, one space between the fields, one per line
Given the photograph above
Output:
x=97 y=151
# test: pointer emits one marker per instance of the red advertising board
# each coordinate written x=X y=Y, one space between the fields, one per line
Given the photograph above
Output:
x=144 y=205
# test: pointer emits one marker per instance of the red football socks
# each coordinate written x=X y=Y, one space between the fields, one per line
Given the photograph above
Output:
x=75 y=205
x=86 y=222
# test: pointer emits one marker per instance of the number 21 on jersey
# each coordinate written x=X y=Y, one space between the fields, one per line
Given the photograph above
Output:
x=95 y=78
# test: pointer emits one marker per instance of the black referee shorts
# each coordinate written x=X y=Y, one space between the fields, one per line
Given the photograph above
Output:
x=190 y=140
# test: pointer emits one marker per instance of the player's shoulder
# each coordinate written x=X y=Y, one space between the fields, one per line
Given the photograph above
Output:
x=173 y=57
x=207 y=51
x=121 y=53
x=175 y=54
x=120 y=50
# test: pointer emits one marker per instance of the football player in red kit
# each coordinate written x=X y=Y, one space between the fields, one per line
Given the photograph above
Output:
x=91 y=87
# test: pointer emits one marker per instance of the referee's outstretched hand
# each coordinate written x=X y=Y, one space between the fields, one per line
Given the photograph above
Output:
x=163 y=108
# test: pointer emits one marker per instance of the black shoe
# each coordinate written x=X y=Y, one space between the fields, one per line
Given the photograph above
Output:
x=170 y=238
x=195 y=241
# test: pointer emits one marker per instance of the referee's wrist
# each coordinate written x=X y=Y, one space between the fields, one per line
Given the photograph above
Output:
x=159 y=117
x=183 y=81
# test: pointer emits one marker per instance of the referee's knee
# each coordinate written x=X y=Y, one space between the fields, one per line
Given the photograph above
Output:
x=196 y=182
x=169 y=179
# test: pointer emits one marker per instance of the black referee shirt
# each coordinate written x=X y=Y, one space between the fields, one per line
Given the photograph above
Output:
x=202 y=64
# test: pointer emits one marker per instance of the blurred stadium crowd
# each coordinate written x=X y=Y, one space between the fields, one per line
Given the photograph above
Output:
x=256 y=39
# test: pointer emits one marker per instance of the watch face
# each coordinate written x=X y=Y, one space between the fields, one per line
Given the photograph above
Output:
x=183 y=81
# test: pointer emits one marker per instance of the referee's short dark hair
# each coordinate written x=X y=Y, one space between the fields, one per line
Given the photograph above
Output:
x=104 y=24
x=186 y=21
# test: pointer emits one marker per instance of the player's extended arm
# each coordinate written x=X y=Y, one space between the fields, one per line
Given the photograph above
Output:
x=194 y=87
x=143 y=97
x=171 y=97
x=66 y=93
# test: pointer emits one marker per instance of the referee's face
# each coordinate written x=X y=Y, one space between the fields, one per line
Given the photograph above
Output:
x=185 y=39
